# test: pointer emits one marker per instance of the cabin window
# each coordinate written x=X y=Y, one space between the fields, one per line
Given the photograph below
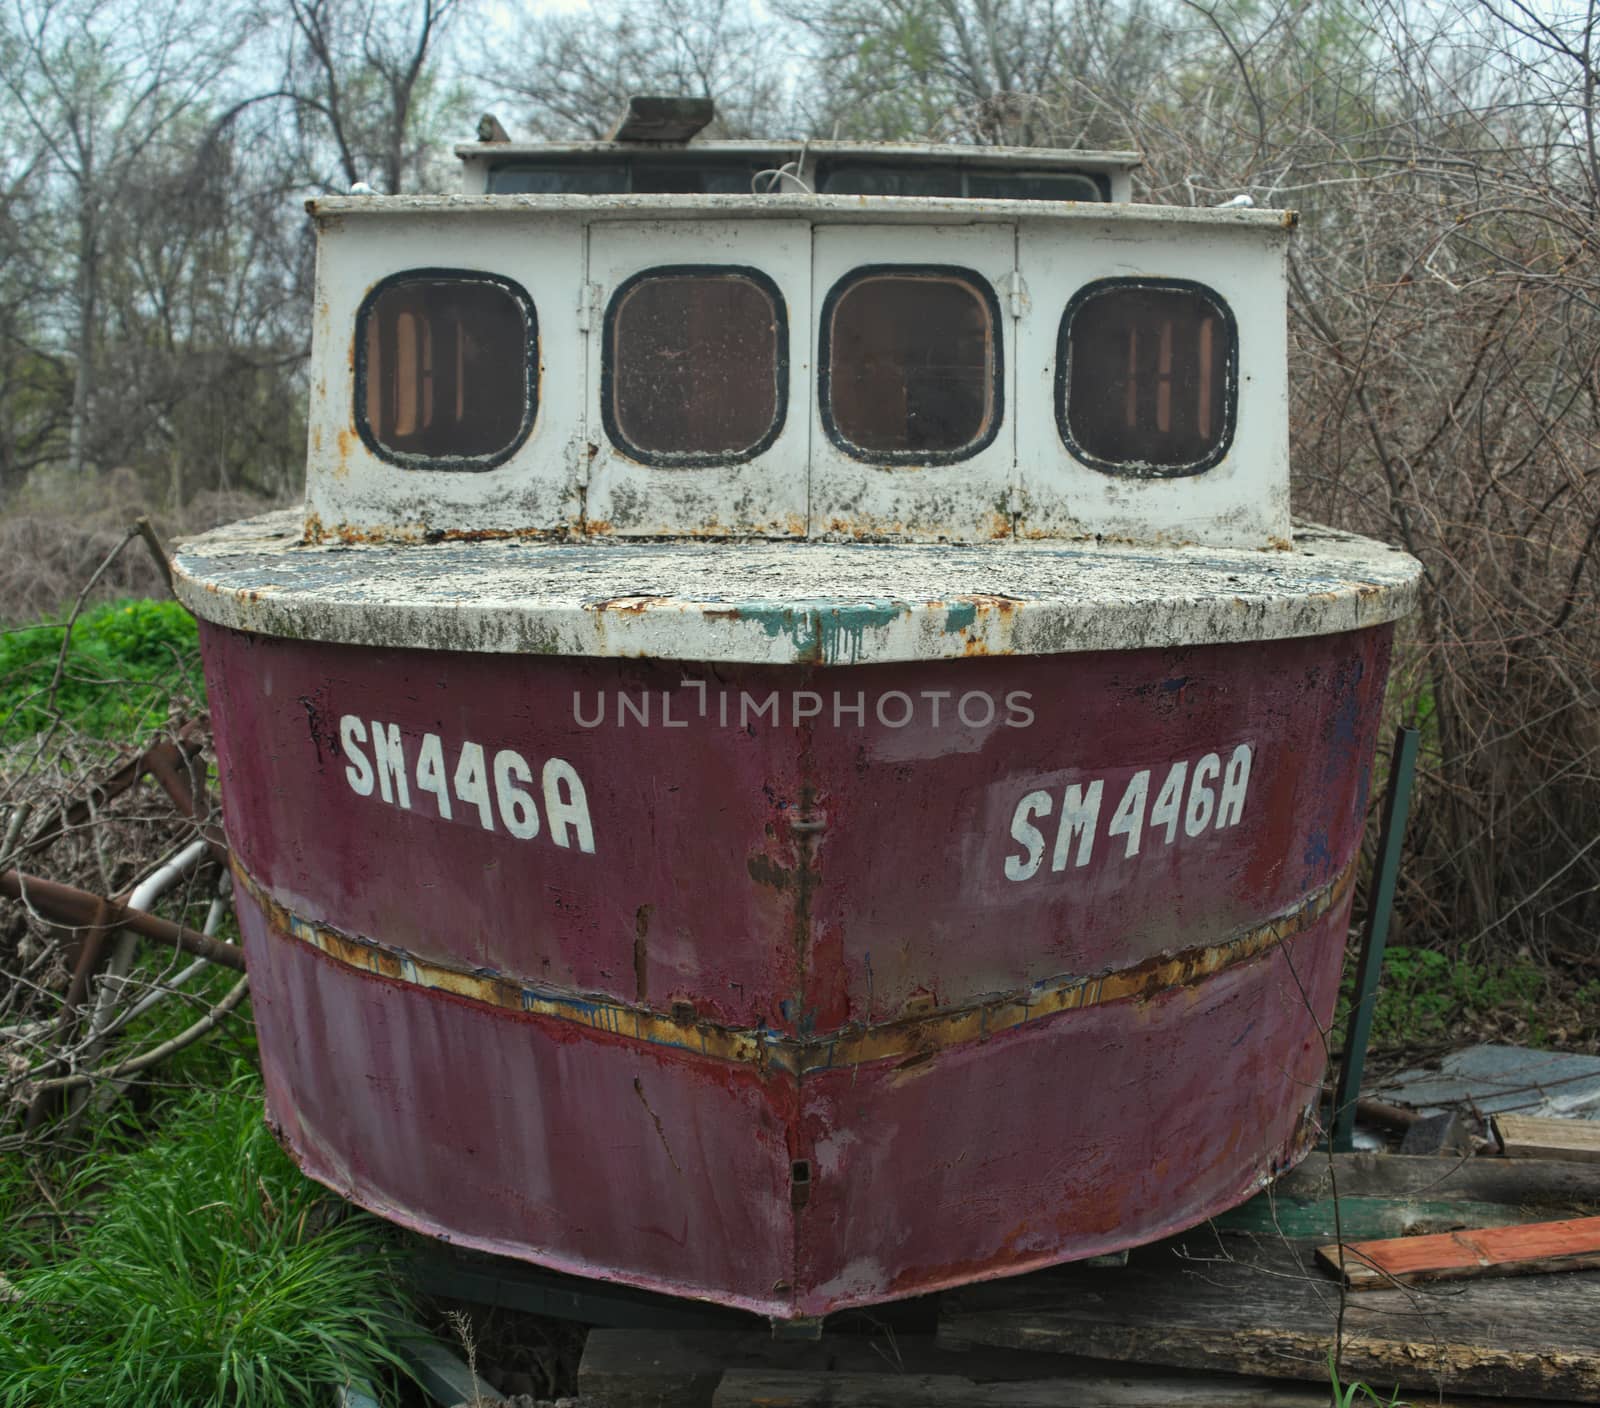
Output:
x=446 y=369
x=953 y=181
x=911 y=363
x=698 y=175
x=1146 y=377
x=695 y=365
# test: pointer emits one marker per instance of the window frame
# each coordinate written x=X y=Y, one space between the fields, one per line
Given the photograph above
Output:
x=693 y=459
x=1122 y=469
x=824 y=378
x=469 y=464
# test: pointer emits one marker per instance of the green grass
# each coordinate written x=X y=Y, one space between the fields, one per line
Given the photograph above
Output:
x=212 y=1273
x=1428 y=997
x=125 y=662
x=1356 y=1395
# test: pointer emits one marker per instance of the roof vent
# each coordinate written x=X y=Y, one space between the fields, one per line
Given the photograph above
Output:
x=647 y=119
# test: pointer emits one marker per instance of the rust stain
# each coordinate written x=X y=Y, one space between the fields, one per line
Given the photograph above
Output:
x=764 y=870
x=661 y=1133
x=627 y=605
x=348 y=441
x=641 y=953
x=918 y=1033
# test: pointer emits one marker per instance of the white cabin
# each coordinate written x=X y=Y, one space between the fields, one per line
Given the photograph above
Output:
x=624 y=340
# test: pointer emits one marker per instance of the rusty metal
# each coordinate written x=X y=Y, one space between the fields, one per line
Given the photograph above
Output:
x=761 y=1009
x=909 y=1038
x=68 y=906
x=162 y=760
x=95 y=934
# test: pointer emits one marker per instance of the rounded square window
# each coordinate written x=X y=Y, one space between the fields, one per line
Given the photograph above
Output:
x=1147 y=377
x=446 y=369
x=911 y=364
x=695 y=365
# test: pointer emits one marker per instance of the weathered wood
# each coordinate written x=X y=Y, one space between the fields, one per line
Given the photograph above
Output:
x=1268 y=1310
x=670 y=119
x=457 y=1274
x=1355 y=1219
x=1383 y=1195
x=1445 y=1134
x=773 y=1388
x=1541 y=1182
x=1534 y=1137
x=676 y=1369
x=1568 y=1245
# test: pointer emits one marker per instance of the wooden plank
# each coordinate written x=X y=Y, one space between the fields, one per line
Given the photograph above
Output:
x=1491 y=1251
x=1357 y=1219
x=772 y=1388
x=1266 y=1309
x=675 y=1369
x=1541 y=1182
x=1534 y=1137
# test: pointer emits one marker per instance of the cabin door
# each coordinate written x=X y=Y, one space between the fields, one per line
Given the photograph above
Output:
x=699 y=356
x=913 y=433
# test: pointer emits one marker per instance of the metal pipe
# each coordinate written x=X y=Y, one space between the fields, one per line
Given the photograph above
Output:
x=1396 y=808
x=74 y=908
x=144 y=894
x=179 y=980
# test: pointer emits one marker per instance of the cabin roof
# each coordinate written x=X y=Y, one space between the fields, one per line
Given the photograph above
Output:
x=933 y=153
x=786 y=603
x=819 y=209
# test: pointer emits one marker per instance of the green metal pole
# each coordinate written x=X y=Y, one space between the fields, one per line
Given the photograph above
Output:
x=1396 y=808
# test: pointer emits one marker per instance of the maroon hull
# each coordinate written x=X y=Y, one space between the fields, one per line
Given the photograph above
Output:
x=806 y=1013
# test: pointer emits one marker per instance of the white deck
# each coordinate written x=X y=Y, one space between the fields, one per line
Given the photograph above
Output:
x=785 y=603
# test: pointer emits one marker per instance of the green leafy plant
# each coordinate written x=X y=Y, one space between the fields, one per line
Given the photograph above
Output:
x=212 y=1273
x=1426 y=995
x=1348 y=1395
x=124 y=662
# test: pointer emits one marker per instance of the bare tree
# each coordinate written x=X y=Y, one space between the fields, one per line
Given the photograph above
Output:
x=99 y=85
x=570 y=74
x=363 y=70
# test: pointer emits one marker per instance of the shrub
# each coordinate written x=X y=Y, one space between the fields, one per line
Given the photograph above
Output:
x=124 y=662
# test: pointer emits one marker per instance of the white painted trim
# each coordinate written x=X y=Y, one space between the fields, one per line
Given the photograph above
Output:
x=786 y=603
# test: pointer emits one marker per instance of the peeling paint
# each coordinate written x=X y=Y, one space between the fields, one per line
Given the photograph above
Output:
x=924 y=1031
x=779 y=603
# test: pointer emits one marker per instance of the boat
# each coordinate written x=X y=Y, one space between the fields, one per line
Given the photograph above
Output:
x=794 y=755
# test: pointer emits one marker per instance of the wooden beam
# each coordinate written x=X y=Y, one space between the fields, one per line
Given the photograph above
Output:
x=681 y=1369
x=1265 y=1309
x=662 y=119
x=1568 y=1245
x=1535 y=1137
x=773 y=1388
x=1357 y=1219
x=1544 y=1182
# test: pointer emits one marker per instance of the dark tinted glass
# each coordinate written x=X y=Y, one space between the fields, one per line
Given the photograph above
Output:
x=694 y=362
x=1004 y=185
x=589 y=178
x=863 y=179
x=857 y=178
x=558 y=178
x=1148 y=378
x=694 y=178
x=912 y=364
x=447 y=368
